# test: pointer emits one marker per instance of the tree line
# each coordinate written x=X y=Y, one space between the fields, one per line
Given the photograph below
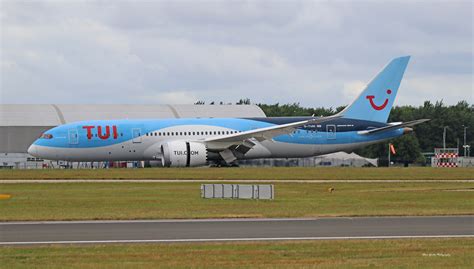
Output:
x=409 y=148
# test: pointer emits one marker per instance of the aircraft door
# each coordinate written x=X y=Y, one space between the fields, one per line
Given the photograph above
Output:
x=331 y=131
x=136 y=135
x=73 y=136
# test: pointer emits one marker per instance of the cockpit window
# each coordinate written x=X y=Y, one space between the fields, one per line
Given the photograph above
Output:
x=46 y=136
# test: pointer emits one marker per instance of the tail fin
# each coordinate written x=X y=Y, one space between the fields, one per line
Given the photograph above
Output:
x=376 y=100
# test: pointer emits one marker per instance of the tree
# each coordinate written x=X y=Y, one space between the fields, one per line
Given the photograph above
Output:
x=426 y=137
x=245 y=101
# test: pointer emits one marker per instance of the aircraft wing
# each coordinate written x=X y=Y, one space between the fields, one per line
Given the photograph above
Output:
x=392 y=127
x=267 y=133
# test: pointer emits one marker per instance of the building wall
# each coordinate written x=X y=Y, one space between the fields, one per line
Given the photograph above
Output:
x=17 y=139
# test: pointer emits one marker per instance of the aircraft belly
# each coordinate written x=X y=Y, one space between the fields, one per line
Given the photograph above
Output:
x=260 y=150
x=289 y=150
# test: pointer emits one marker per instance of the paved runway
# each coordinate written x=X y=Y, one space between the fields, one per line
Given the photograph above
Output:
x=18 y=233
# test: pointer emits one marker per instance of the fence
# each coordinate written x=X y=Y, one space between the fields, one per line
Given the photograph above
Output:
x=445 y=157
x=237 y=191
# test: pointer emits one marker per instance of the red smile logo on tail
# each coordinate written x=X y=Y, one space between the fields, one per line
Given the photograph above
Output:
x=376 y=107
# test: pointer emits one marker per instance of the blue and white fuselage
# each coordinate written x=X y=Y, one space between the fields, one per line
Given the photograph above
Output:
x=198 y=141
x=142 y=139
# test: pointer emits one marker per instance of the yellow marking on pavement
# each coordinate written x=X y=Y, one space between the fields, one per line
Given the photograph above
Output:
x=5 y=196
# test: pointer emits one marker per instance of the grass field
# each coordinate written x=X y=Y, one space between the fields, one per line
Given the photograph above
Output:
x=89 y=201
x=326 y=173
x=77 y=201
x=405 y=253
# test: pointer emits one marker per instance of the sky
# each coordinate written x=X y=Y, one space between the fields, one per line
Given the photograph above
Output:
x=316 y=53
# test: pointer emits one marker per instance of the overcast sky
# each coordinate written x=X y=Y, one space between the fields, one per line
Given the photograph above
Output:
x=157 y=52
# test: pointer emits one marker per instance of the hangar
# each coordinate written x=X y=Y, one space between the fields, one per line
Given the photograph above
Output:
x=21 y=124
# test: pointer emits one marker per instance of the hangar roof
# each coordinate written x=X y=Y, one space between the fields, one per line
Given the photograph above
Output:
x=56 y=114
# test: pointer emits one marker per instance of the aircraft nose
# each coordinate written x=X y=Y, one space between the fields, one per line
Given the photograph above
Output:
x=33 y=150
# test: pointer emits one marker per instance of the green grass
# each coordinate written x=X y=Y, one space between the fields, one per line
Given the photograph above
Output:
x=77 y=201
x=406 y=253
x=421 y=173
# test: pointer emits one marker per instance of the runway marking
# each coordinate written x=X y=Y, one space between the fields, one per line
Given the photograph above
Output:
x=220 y=220
x=16 y=181
x=237 y=239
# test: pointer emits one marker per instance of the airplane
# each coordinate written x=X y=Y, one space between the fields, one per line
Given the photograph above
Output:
x=204 y=141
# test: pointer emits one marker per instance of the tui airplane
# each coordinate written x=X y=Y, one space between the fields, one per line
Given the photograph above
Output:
x=202 y=141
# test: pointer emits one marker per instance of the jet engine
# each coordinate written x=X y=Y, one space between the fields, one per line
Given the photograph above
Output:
x=184 y=154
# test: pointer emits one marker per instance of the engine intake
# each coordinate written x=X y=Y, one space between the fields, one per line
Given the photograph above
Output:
x=184 y=154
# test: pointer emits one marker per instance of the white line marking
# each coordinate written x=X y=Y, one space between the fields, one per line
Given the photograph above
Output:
x=226 y=220
x=236 y=239
x=158 y=221
x=16 y=181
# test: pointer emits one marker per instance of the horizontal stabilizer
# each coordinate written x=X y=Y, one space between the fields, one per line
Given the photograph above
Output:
x=392 y=127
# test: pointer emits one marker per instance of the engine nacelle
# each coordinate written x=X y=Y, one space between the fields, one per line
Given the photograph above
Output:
x=183 y=154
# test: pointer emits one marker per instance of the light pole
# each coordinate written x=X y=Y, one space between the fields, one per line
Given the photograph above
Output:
x=444 y=138
x=465 y=145
x=388 y=154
